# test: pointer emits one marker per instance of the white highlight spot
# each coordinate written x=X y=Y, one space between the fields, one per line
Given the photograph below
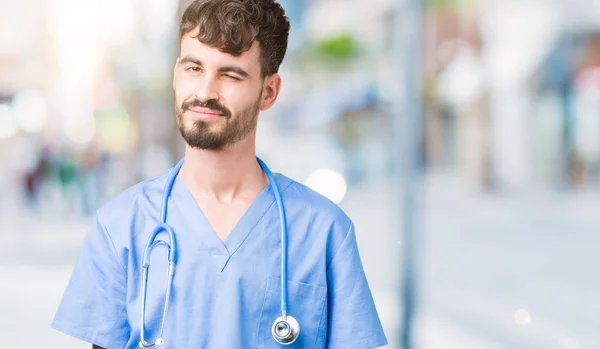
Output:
x=328 y=183
x=522 y=317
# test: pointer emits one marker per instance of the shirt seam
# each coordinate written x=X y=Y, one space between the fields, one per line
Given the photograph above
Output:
x=374 y=341
x=340 y=247
x=320 y=328
x=94 y=339
x=259 y=219
x=112 y=243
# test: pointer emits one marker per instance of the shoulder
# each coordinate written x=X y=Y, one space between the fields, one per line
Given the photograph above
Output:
x=122 y=207
x=320 y=213
x=316 y=225
x=318 y=204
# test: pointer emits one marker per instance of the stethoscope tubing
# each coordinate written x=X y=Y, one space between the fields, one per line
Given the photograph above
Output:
x=163 y=226
x=283 y=236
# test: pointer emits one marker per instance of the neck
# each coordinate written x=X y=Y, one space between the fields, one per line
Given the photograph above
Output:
x=223 y=175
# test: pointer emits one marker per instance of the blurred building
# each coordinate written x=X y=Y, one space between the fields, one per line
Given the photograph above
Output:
x=511 y=105
x=75 y=77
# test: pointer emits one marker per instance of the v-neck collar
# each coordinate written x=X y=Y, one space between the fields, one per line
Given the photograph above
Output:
x=221 y=251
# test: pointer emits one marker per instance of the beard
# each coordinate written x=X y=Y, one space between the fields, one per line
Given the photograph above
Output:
x=234 y=129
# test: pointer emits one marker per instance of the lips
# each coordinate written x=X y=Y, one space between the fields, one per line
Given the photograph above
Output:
x=207 y=109
x=205 y=113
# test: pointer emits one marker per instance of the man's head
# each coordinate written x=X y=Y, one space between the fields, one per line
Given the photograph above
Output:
x=226 y=72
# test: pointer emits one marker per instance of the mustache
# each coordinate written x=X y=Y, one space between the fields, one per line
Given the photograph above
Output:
x=211 y=104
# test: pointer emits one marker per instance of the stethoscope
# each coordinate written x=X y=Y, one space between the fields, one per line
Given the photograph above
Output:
x=285 y=329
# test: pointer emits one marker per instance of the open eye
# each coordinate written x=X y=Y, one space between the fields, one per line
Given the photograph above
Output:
x=193 y=69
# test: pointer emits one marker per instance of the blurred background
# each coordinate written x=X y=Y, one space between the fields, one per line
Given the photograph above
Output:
x=500 y=195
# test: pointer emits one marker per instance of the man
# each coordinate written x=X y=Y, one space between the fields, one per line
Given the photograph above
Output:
x=225 y=290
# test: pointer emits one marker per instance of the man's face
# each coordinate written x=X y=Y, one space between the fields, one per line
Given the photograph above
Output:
x=217 y=96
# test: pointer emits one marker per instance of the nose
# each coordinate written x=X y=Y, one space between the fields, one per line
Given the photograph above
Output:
x=206 y=89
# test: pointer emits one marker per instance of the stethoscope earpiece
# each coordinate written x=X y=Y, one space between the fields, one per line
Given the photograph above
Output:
x=285 y=330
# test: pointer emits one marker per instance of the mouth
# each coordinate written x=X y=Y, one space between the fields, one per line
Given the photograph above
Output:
x=205 y=113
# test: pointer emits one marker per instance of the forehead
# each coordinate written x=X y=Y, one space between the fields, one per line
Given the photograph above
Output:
x=191 y=46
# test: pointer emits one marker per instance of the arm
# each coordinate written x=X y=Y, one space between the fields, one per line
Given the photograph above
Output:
x=353 y=319
x=93 y=307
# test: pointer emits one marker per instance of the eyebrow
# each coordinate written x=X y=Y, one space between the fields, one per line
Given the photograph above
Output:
x=225 y=69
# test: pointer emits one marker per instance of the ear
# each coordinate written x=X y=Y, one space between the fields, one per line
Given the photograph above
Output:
x=271 y=88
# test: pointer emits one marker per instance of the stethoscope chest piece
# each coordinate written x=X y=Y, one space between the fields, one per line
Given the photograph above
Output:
x=285 y=331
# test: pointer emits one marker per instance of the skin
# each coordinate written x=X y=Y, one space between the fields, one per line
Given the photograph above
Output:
x=223 y=181
x=222 y=174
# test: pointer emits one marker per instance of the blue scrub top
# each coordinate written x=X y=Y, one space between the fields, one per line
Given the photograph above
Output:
x=225 y=294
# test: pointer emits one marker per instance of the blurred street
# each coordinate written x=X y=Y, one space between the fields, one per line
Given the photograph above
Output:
x=503 y=270
x=496 y=103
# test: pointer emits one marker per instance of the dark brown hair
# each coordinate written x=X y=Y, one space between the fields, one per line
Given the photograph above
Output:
x=233 y=25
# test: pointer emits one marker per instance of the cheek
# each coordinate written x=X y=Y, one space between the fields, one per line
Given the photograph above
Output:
x=241 y=97
x=183 y=90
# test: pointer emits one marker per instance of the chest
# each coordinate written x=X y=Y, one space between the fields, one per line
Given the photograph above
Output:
x=239 y=305
x=223 y=217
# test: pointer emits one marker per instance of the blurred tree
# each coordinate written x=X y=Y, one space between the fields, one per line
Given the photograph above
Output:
x=333 y=51
x=445 y=4
x=339 y=47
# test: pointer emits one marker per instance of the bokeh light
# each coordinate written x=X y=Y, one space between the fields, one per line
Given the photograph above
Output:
x=80 y=131
x=328 y=183
x=113 y=128
x=522 y=317
x=8 y=125
x=30 y=111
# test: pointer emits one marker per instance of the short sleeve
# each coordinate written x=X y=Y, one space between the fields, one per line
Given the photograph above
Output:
x=93 y=305
x=353 y=321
